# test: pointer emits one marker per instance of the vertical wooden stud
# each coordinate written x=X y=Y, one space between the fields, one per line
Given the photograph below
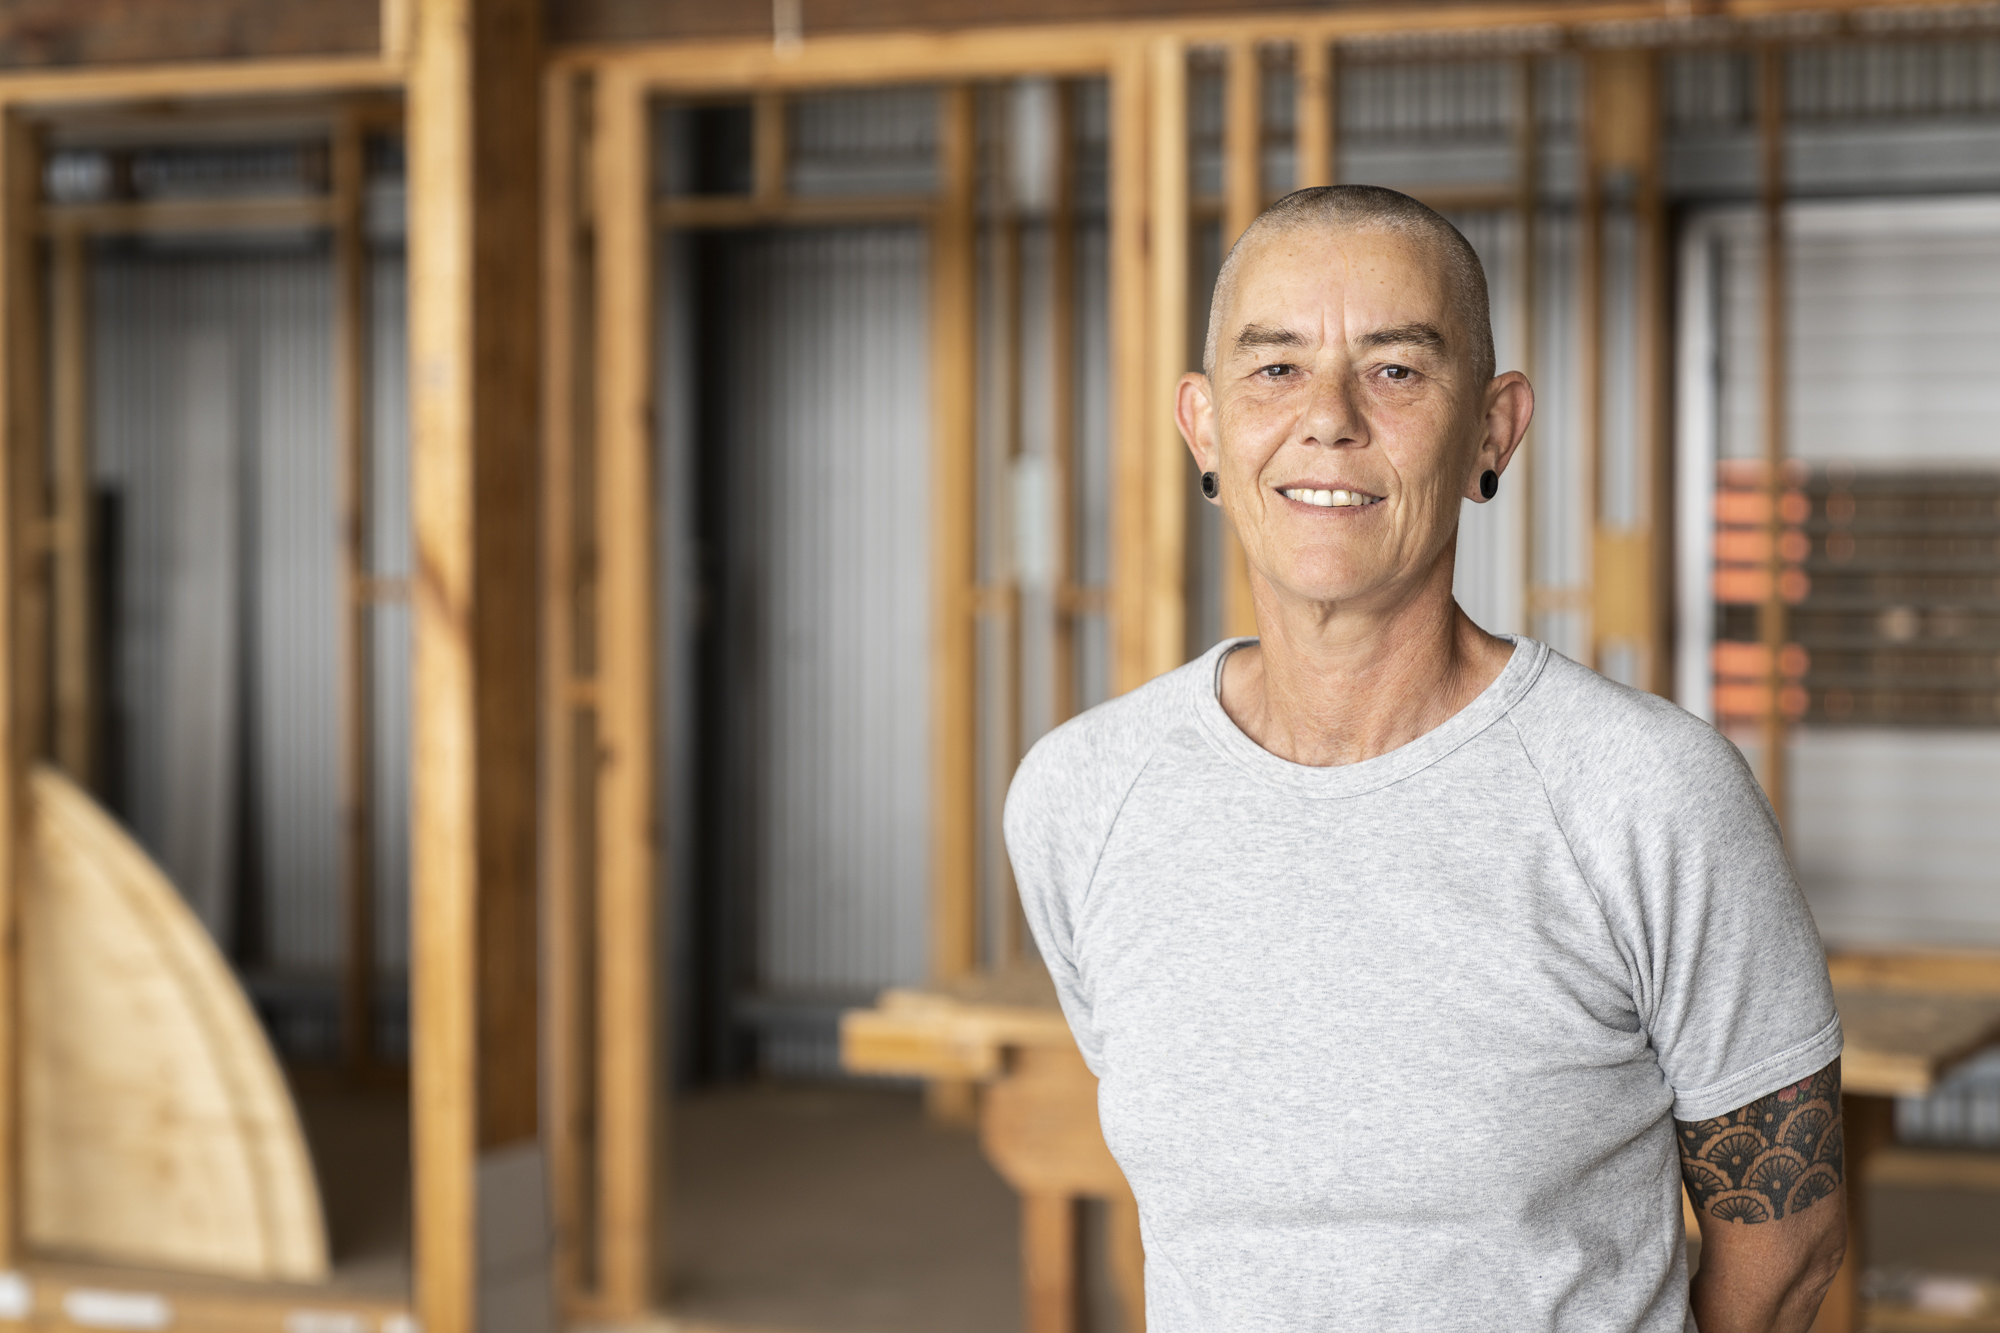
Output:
x=1167 y=463
x=627 y=857
x=1626 y=579
x=350 y=350
x=1131 y=360
x=1771 y=619
x=1243 y=200
x=565 y=1066
x=20 y=420
x=1590 y=315
x=474 y=115
x=69 y=410
x=954 y=788
x=1061 y=354
x=768 y=150
x=1314 y=119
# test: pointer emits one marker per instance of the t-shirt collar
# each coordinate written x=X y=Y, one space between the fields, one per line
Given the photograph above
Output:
x=1492 y=703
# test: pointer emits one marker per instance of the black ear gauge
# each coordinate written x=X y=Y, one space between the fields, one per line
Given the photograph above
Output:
x=1211 y=483
x=1489 y=484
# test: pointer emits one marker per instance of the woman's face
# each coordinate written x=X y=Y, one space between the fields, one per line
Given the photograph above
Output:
x=1342 y=414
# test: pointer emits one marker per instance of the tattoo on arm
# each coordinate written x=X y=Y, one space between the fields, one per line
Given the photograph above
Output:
x=1779 y=1155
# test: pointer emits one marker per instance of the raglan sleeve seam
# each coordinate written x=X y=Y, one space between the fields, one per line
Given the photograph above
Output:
x=1111 y=824
x=1555 y=816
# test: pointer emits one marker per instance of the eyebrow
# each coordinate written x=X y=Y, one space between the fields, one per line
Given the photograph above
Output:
x=1419 y=334
x=1252 y=337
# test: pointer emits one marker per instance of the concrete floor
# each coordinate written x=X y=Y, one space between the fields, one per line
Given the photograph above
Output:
x=832 y=1209
x=841 y=1209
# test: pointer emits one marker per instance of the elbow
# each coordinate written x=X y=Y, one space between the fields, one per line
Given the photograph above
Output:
x=1820 y=1271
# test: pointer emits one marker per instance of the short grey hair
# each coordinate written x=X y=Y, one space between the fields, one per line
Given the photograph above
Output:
x=1370 y=208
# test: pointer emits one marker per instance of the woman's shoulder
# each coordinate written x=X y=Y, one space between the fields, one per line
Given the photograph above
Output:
x=1593 y=735
x=1092 y=760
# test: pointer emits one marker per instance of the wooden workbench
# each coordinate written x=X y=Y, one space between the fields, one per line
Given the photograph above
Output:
x=1908 y=1017
x=1037 y=1121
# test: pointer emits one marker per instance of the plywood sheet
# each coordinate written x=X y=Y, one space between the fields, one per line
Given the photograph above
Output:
x=157 y=1128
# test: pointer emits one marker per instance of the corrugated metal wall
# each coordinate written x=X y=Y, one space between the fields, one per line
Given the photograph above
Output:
x=211 y=405
x=828 y=436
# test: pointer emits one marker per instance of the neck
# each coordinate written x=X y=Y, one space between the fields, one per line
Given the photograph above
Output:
x=1332 y=683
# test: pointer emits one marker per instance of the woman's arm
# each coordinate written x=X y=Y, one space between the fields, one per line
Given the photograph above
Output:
x=1769 y=1188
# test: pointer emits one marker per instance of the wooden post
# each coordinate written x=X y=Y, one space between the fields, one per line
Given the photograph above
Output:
x=1314 y=120
x=474 y=120
x=1167 y=464
x=20 y=420
x=563 y=984
x=1771 y=619
x=1131 y=359
x=1243 y=188
x=350 y=381
x=953 y=333
x=69 y=348
x=1590 y=317
x=626 y=938
x=1627 y=578
x=1062 y=407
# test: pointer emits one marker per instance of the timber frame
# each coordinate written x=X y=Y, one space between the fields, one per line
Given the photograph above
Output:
x=598 y=783
x=600 y=210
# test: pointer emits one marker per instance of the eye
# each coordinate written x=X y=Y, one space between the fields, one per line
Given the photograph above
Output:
x=1397 y=372
x=1276 y=372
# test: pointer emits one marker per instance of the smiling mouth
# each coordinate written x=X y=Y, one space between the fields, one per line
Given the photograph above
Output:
x=1331 y=499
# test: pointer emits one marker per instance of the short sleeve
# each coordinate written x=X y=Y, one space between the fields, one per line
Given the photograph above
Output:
x=1050 y=846
x=1061 y=807
x=1669 y=826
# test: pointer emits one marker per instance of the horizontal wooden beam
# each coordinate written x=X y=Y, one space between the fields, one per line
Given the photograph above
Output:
x=54 y=33
x=911 y=54
x=192 y=1302
x=188 y=215
x=203 y=80
x=753 y=212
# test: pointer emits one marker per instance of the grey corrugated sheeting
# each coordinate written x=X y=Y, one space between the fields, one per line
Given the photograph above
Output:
x=1412 y=124
x=864 y=141
x=829 y=411
x=1877 y=117
x=273 y=313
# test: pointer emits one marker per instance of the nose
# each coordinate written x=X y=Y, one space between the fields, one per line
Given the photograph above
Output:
x=1332 y=415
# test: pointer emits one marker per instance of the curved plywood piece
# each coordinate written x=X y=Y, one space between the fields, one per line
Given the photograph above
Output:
x=156 y=1127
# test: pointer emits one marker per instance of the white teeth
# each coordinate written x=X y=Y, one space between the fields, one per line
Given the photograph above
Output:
x=1329 y=499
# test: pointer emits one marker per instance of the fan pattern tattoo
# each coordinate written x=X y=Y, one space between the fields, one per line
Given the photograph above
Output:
x=1776 y=1156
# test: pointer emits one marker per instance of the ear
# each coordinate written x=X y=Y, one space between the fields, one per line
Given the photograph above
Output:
x=1194 y=413
x=1509 y=406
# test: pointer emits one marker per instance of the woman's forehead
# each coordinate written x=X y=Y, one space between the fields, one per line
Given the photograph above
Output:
x=1317 y=280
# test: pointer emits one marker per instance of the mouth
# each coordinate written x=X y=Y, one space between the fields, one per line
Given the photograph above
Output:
x=1326 y=498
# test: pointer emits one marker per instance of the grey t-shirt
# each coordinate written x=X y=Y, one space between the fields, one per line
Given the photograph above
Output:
x=1399 y=1044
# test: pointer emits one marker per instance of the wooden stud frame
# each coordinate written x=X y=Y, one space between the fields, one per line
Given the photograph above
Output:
x=1145 y=64
x=46 y=577
x=1144 y=61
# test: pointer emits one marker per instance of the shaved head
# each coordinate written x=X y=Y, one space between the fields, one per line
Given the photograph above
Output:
x=1342 y=208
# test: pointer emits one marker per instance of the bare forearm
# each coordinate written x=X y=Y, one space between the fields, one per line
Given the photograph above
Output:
x=1761 y=1298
